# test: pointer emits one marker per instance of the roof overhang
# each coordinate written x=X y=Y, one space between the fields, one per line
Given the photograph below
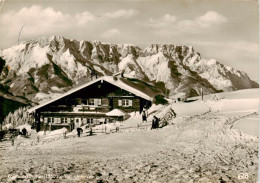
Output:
x=116 y=82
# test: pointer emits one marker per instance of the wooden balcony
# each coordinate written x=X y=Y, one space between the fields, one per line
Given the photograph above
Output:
x=91 y=108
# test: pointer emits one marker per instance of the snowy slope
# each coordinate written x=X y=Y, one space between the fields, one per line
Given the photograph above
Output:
x=198 y=145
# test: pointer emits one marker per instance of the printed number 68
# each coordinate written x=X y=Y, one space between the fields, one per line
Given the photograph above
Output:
x=243 y=176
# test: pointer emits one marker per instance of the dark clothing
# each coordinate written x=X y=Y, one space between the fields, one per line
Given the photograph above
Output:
x=173 y=112
x=155 y=123
x=79 y=131
x=24 y=131
x=144 y=117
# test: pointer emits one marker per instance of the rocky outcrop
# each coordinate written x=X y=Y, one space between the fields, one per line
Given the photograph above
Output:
x=56 y=64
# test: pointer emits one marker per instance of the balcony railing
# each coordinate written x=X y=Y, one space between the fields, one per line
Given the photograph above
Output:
x=87 y=108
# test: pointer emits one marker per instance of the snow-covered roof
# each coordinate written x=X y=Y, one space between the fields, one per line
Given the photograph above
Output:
x=115 y=112
x=117 y=82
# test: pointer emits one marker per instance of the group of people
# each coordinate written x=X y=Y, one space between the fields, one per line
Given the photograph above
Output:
x=155 y=121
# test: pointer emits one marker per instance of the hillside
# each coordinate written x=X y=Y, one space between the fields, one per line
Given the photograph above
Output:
x=204 y=143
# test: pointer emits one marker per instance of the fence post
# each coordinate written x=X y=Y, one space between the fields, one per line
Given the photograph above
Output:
x=12 y=141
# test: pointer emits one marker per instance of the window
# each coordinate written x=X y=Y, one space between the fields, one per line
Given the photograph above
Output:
x=89 y=121
x=62 y=120
x=127 y=102
x=91 y=101
x=66 y=120
x=95 y=101
x=50 y=120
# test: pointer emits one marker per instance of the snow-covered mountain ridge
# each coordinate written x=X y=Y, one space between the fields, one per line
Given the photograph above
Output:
x=55 y=64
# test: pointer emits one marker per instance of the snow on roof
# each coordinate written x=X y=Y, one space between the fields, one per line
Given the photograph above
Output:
x=108 y=79
x=115 y=112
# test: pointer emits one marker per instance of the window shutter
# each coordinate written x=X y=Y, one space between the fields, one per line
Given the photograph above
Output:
x=130 y=103
x=95 y=102
x=99 y=102
x=119 y=102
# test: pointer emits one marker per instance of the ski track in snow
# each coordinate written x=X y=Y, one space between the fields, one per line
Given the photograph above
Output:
x=202 y=147
x=197 y=149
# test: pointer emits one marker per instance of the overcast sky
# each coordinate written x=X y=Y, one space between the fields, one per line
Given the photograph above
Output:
x=224 y=30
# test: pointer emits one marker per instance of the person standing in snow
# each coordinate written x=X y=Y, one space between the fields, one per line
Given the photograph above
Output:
x=155 y=123
x=12 y=139
x=90 y=132
x=215 y=97
x=38 y=139
x=79 y=130
x=24 y=132
x=144 y=117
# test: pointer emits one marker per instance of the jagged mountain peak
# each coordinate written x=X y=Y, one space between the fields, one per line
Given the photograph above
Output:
x=168 y=47
x=57 y=62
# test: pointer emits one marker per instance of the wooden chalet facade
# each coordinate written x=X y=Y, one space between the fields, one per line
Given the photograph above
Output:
x=89 y=103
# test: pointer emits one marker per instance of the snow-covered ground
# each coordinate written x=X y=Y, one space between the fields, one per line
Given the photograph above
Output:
x=208 y=141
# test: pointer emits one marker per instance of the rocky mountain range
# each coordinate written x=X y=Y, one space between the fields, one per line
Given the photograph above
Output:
x=39 y=69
